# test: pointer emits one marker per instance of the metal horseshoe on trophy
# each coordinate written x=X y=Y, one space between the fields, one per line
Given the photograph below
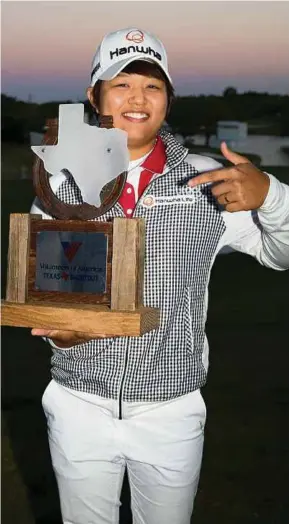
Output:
x=109 y=195
x=68 y=269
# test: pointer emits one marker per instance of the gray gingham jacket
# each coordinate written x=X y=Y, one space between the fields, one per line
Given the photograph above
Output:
x=185 y=229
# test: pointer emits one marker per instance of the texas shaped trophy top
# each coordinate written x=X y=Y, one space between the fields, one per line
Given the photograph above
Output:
x=96 y=157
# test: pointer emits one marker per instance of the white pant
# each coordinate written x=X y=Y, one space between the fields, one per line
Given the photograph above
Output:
x=160 y=443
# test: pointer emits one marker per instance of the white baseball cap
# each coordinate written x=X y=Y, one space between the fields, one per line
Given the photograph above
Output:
x=120 y=48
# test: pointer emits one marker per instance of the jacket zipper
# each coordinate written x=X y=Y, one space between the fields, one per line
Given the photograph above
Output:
x=122 y=383
x=127 y=348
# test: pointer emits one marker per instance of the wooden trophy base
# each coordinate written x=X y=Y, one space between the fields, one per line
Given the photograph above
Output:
x=88 y=318
x=118 y=311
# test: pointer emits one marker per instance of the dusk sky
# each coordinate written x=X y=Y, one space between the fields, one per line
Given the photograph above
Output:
x=47 y=47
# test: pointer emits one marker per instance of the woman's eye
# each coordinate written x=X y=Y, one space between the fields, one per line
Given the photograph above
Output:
x=153 y=86
x=121 y=85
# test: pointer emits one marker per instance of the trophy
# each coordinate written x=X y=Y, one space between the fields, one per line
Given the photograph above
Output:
x=73 y=272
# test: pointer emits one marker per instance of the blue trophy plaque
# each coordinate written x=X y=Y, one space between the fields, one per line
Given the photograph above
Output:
x=68 y=261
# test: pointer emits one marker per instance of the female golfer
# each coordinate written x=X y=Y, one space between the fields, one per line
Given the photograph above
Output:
x=135 y=402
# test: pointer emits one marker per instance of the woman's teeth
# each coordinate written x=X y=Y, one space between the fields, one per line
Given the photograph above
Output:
x=137 y=116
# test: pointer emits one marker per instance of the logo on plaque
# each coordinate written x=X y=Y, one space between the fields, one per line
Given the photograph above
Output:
x=70 y=249
x=67 y=265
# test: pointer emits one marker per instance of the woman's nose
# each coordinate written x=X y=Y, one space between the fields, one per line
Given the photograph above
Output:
x=138 y=96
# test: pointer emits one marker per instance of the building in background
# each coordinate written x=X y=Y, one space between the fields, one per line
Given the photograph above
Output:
x=234 y=133
x=268 y=147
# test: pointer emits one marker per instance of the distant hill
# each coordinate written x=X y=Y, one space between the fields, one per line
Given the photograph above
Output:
x=265 y=114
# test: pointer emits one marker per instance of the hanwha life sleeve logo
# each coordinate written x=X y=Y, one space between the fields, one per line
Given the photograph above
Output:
x=135 y=36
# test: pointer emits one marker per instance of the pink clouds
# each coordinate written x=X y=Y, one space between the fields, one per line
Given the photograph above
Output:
x=55 y=41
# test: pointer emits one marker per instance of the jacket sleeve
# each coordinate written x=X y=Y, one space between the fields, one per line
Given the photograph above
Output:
x=263 y=233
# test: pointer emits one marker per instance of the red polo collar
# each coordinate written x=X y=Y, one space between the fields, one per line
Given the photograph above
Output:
x=153 y=164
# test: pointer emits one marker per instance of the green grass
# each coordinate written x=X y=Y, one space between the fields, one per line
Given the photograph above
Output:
x=15 y=157
x=245 y=471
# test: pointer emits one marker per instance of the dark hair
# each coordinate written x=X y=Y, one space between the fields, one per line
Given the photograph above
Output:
x=141 y=67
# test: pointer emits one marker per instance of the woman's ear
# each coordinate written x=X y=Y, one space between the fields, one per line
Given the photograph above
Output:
x=89 y=94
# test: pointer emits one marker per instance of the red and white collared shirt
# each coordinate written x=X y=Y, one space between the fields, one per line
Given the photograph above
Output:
x=140 y=173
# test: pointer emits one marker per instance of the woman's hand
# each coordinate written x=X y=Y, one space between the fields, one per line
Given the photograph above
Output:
x=241 y=187
x=65 y=339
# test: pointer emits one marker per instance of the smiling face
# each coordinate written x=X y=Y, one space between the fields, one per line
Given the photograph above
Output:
x=138 y=104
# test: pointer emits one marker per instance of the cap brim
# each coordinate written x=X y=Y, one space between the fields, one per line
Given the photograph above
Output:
x=115 y=69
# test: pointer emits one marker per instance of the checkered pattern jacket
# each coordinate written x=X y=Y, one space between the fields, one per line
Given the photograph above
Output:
x=184 y=231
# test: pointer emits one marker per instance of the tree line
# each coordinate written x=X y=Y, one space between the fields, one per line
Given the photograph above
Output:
x=266 y=114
